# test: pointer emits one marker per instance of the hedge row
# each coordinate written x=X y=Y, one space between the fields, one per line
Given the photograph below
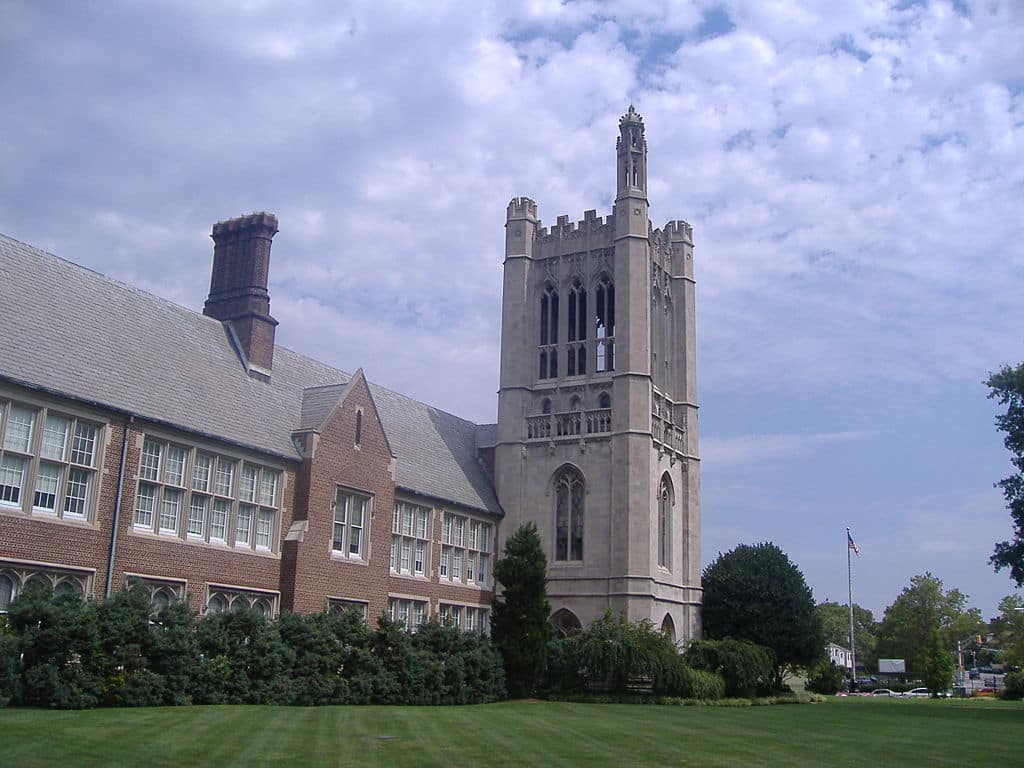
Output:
x=62 y=652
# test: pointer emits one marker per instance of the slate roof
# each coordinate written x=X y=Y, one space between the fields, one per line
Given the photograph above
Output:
x=74 y=332
x=317 y=404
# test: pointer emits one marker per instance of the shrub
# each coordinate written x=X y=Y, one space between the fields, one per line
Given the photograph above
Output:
x=826 y=678
x=700 y=684
x=746 y=668
x=60 y=649
x=617 y=657
x=244 y=660
x=1013 y=686
x=10 y=669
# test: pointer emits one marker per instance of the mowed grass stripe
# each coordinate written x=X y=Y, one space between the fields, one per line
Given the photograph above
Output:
x=843 y=732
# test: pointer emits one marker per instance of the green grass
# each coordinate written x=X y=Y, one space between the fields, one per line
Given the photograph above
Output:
x=841 y=732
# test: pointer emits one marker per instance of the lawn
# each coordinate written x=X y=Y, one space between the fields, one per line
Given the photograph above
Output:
x=841 y=732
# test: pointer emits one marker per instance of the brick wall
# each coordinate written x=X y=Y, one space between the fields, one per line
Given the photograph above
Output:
x=367 y=469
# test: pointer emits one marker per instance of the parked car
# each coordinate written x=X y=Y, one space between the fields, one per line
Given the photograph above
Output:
x=885 y=692
x=923 y=693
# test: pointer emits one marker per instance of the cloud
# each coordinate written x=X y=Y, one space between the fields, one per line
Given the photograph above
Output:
x=854 y=179
x=722 y=452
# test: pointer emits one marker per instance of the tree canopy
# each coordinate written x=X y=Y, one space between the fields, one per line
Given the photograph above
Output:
x=835 y=621
x=1007 y=388
x=921 y=608
x=756 y=593
x=1009 y=630
x=519 y=617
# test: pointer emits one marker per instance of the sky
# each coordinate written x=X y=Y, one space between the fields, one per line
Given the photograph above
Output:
x=854 y=174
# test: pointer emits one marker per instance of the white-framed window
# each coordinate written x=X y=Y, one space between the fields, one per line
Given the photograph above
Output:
x=187 y=492
x=223 y=598
x=468 y=618
x=410 y=539
x=48 y=461
x=465 y=550
x=16 y=576
x=411 y=614
x=341 y=604
x=351 y=515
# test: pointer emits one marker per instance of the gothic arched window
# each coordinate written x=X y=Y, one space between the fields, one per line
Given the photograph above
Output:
x=604 y=327
x=668 y=628
x=548 y=368
x=665 y=522
x=565 y=622
x=569 y=514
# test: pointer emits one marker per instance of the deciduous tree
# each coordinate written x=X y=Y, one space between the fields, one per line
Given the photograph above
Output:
x=756 y=593
x=1009 y=630
x=1007 y=388
x=921 y=607
x=835 y=620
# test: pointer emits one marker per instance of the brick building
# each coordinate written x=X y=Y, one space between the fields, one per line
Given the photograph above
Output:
x=141 y=441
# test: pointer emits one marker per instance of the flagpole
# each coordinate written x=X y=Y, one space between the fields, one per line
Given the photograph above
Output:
x=849 y=583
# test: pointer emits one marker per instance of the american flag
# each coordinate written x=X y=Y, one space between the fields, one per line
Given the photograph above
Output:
x=851 y=543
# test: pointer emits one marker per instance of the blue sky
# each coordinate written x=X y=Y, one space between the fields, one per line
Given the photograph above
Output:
x=854 y=176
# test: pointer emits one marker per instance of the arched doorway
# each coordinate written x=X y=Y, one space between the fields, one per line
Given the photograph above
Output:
x=565 y=622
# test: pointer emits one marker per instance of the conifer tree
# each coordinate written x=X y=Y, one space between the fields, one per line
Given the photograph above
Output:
x=519 y=620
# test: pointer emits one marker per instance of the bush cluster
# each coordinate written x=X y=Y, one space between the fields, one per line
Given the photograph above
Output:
x=62 y=652
x=747 y=669
x=1013 y=686
x=614 y=657
x=827 y=678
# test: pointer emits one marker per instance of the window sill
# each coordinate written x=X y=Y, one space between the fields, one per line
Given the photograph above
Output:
x=338 y=557
x=47 y=517
x=165 y=537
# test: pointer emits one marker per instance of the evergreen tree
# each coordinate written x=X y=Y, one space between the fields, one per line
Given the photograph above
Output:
x=1007 y=388
x=519 y=619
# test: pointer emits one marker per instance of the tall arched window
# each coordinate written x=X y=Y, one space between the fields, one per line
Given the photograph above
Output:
x=668 y=628
x=665 y=522
x=576 y=354
x=569 y=514
x=604 y=325
x=548 y=368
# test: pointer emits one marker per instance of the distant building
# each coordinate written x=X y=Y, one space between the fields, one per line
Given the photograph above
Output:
x=142 y=442
x=840 y=656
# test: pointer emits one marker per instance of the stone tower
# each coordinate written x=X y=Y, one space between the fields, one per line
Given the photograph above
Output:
x=597 y=406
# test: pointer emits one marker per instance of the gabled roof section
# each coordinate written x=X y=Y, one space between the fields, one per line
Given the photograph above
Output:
x=76 y=333
x=317 y=404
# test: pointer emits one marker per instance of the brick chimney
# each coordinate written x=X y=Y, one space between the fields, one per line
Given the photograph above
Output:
x=238 y=287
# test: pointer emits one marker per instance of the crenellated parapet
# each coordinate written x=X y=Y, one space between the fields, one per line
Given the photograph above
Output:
x=521 y=208
x=679 y=230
